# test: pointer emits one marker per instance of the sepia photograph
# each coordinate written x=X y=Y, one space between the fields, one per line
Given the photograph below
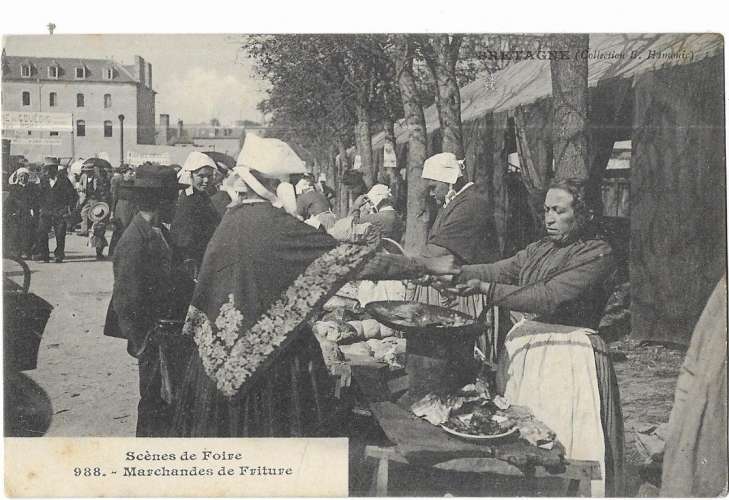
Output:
x=480 y=264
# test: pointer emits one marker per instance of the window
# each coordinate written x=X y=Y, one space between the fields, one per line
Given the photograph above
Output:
x=53 y=72
x=25 y=70
x=30 y=132
x=80 y=128
x=26 y=98
x=107 y=100
x=80 y=72
x=52 y=99
x=109 y=73
x=79 y=100
x=107 y=128
x=53 y=133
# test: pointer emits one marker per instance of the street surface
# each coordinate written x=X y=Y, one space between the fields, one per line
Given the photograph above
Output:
x=90 y=378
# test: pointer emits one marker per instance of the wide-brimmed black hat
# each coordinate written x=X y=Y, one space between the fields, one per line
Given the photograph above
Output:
x=152 y=182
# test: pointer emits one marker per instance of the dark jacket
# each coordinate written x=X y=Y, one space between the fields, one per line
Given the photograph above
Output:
x=124 y=210
x=389 y=223
x=193 y=226
x=575 y=297
x=19 y=217
x=465 y=227
x=97 y=188
x=311 y=203
x=142 y=284
x=220 y=201
x=56 y=200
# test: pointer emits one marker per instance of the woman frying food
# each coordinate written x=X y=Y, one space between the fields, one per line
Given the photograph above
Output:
x=552 y=360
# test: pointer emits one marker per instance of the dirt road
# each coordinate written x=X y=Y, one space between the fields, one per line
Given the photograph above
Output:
x=90 y=378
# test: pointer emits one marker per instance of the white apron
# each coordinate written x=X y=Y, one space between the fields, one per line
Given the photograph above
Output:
x=551 y=369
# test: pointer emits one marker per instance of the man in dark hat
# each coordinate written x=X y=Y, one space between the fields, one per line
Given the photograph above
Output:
x=57 y=197
x=143 y=286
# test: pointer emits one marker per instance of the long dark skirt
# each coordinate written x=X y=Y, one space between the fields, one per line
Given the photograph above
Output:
x=294 y=397
x=611 y=417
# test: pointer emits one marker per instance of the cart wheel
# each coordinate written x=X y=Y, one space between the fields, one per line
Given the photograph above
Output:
x=11 y=271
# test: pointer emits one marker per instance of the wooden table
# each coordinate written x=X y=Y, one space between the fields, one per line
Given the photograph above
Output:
x=578 y=472
x=431 y=447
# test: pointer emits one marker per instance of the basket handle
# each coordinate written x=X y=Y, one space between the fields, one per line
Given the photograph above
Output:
x=26 y=271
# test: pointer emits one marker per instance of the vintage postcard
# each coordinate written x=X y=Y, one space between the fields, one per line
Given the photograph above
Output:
x=330 y=265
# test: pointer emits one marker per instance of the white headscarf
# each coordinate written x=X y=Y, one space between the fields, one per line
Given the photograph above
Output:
x=285 y=193
x=443 y=167
x=303 y=185
x=379 y=192
x=194 y=162
x=272 y=158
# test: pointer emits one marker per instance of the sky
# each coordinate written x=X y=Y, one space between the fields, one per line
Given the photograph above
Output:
x=197 y=77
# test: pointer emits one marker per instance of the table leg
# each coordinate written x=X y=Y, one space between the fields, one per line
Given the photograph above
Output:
x=585 y=488
x=380 y=478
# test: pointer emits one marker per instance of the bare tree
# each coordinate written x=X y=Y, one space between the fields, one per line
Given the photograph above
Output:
x=441 y=55
x=569 y=91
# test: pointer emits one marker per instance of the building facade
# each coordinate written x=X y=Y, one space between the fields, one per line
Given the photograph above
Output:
x=87 y=95
x=226 y=139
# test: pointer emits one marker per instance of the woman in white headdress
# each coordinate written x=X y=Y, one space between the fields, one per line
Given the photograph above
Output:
x=19 y=213
x=262 y=249
x=256 y=253
x=384 y=216
x=195 y=216
x=312 y=205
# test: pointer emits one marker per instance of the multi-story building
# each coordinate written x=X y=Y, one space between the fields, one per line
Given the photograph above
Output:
x=86 y=97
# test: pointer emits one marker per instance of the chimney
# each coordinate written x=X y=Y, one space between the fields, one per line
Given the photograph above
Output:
x=149 y=75
x=179 y=129
x=164 y=129
x=140 y=70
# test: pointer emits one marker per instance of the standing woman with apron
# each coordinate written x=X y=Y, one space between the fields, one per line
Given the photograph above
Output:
x=463 y=228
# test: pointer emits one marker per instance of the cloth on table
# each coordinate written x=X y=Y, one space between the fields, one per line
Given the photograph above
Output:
x=424 y=444
x=551 y=369
x=373 y=291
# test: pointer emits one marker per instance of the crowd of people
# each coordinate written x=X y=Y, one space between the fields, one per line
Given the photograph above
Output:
x=57 y=201
x=216 y=258
x=213 y=248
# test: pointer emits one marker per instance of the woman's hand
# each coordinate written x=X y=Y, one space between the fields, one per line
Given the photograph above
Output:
x=445 y=265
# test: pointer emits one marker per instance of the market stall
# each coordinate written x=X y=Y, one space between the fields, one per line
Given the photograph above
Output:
x=438 y=406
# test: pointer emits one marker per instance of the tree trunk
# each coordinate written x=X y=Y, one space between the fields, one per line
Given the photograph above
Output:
x=418 y=216
x=569 y=91
x=384 y=175
x=441 y=55
x=364 y=144
x=340 y=188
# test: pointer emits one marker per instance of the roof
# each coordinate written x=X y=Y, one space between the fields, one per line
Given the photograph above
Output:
x=609 y=57
x=95 y=69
